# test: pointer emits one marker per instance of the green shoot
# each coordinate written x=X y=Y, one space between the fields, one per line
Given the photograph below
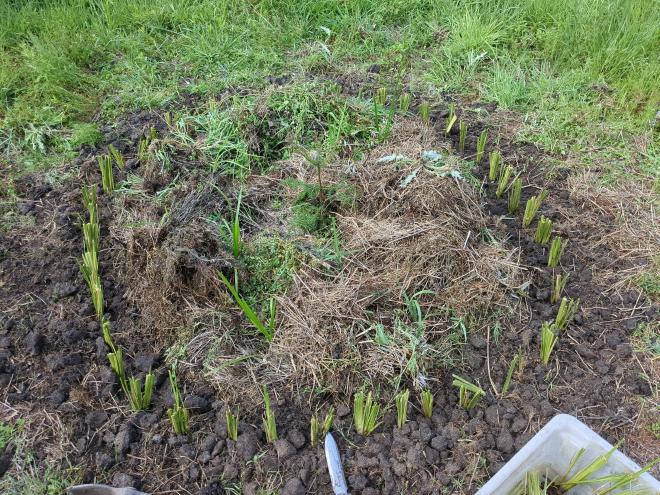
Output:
x=366 y=413
x=425 y=112
x=583 y=475
x=270 y=427
x=543 y=230
x=567 y=310
x=451 y=119
x=234 y=230
x=494 y=160
x=232 y=424
x=107 y=179
x=548 y=341
x=426 y=398
x=514 y=195
x=89 y=200
x=141 y=399
x=481 y=145
x=532 y=207
x=117 y=156
x=468 y=393
x=266 y=331
x=558 y=287
x=462 y=134
x=509 y=373
x=314 y=430
x=315 y=159
x=503 y=181
x=179 y=415
x=143 y=150
x=381 y=96
x=401 y=401
x=556 y=250
x=623 y=480
x=107 y=338
x=404 y=102
x=116 y=359
x=318 y=430
x=531 y=486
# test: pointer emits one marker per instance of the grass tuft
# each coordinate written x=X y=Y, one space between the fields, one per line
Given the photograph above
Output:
x=426 y=398
x=557 y=248
x=179 y=415
x=514 y=195
x=266 y=330
x=503 y=181
x=567 y=310
x=366 y=413
x=232 y=424
x=481 y=145
x=318 y=430
x=494 y=160
x=401 y=401
x=117 y=156
x=269 y=424
x=548 y=341
x=140 y=398
x=543 y=230
x=404 y=102
x=107 y=178
x=532 y=207
x=558 y=287
x=425 y=112
x=469 y=394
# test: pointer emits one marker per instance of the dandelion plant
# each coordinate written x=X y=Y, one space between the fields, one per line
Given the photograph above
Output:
x=543 y=230
x=548 y=341
x=269 y=424
x=404 y=102
x=567 y=310
x=319 y=430
x=503 y=181
x=426 y=398
x=107 y=179
x=366 y=413
x=179 y=415
x=425 y=112
x=556 y=250
x=234 y=229
x=514 y=195
x=117 y=156
x=401 y=401
x=481 y=145
x=451 y=119
x=494 y=159
x=232 y=424
x=468 y=393
x=532 y=207
x=141 y=398
x=462 y=134
x=266 y=331
x=558 y=287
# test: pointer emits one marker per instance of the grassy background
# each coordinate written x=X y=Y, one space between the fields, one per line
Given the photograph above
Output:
x=583 y=71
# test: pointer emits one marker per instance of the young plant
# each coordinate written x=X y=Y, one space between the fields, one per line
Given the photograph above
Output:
x=494 y=159
x=234 y=230
x=117 y=156
x=269 y=424
x=404 y=102
x=90 y=263
x=426 y=398
x=584 y=475
x=425 y=112
x=548 y=341
x=462 y=134
x=567 y=310
x=316 y=160
x=141 y=398
x=179 y=415
x=381 y=96
x=543 y=230
x=266 y=331
x=89 y=201
x=503 y=181
x=481 y=145
x=232 y=424
x=116 y=359
x=143 y=150
x=514 y=195
x=558 y=287
x=401 y=401
x=556 y=250
x=318 y=430
x=532 y=207
x=468 y=393
x=509 y=374
x=366 y=413
x=107 y=179
x=451 y=119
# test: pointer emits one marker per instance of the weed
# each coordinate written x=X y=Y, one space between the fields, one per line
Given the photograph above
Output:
x=139 y=398
x=532 y=207
x=232 y=424
x=567 y=310
x=462 y=134
x=234 y=230
x=269 y=424
x=543 y=230
x=481 y=146
x=366 y=413
x=425 y=112
x=556 y=250
x=318 y=430
x=558 y=287
x=469 y=394
x=514 y=195
x=117 y=156
x=426 y=398
x=266 y=331
x=179 y=415
x=107 y=178
x=401 y=401
x=404 y=102
x=494 y=159
x=509 y=374
x=451 y=119
x=548 y=341
x=503 y=181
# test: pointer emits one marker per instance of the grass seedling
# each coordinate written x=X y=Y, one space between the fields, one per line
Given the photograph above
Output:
x=503 y=181
x=514 y=195
x=543 y=230
x=116 y=359
x=556 y=250
x=451 y=119
x=532 y=207
x=234 y=230
x=583 y=475
x=179 y=415
x=266 y=331
x=318 y=430
x=468 y=393
x=462 y=134
x=401 y=401
x=481 y=145
x=117 y=156
x=425 y=112
x=426 y=398
x=558 y=287
x=548 y=341
x=107 y=337
x=381 y=96
x=89 y=201
x=404 y=102
x=567 y=310
x=141 y=398
x=509 y=374
x=107 y=179
x=366 y=413
x=270 y=427
x=494 y=160
x=232 y=424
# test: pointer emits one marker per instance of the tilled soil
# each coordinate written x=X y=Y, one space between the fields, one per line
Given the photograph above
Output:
x=54 y=372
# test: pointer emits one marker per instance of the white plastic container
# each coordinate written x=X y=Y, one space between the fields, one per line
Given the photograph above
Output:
x=552 y=449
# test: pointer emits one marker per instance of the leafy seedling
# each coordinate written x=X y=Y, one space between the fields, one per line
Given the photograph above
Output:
x=107 y=178
x=469 y=394
x=315 y=159
x=319 y=430
x=179 y=415
x=567 y=310
x=514 y=195
x=494 y=159
x=140 y=398
x=232 y=424
x=269 y=424
x=558 y=287
x=481 y=145
x=366 y=413
x=503 y=181
x=548 y=341
x=425 y=112
x=401 y=401
x=532 y=207
x=556 y=250
x=404 y=102
x=543 y=230
x=426 y=398
x=266 y=331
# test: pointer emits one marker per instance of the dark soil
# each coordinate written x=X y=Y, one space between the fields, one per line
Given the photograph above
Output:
x=53 y=361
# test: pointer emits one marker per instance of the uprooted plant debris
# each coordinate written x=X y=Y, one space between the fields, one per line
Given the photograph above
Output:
x=391 y=270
